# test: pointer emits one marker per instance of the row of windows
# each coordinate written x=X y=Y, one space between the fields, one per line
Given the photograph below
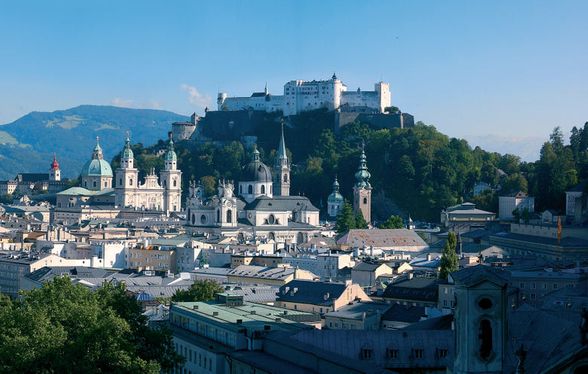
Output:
x=534 y=285
x=392 y=353
x=197 y=358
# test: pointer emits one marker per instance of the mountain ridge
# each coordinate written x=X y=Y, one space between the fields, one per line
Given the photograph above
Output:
x=28 y=143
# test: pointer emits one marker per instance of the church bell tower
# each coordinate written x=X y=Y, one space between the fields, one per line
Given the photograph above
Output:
x=282 y=169
x=362 y=190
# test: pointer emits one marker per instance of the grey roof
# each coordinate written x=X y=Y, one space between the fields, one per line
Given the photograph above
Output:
x=536 y=330
x=254 y=293
x=404 y=313
x=309 y=292
x=46 y=274
x=261 y=272
x=476 y=274
x=349 y=344
x=367 y=266
x=564 y=242
x=420 y=288
x=399 y=238
x=359 y=310
x=281 y=204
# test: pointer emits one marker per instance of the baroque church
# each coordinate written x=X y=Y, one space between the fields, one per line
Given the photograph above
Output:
x=97 y=198
x=260 y=206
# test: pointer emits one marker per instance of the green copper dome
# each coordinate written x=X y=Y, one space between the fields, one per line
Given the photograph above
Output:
x=335 y=196
x=170 y=155
x=97 y=166
x=127 y=151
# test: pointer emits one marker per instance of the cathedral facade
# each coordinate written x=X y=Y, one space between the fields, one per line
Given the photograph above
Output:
x=261 y=207
x=97 y=198
x=163 y=193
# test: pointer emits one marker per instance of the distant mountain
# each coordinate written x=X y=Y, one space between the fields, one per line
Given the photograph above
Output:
x=526 y=147
x=28 y=144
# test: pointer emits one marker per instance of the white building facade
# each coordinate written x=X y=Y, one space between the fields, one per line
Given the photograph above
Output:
x=300 y=96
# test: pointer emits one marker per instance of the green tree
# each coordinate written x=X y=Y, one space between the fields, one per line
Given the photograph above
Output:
x=345 y=220
x=360 y=222
x=201 y=290
x=68 y=328
x=449 y=260
x=394 y=222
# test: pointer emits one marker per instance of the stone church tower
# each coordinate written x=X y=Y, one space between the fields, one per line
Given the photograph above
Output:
x=362 y=190
x=282 y=170
x=127 y=178
x=480 y=319
x=171 y=180
x=54 y=172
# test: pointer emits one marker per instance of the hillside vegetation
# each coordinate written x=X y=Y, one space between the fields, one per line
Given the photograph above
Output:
x=416 y=171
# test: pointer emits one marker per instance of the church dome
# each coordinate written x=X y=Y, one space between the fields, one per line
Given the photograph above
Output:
x=97 y=166
x=256 y=171
x=335 y=196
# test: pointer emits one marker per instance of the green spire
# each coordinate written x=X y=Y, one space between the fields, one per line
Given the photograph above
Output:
x=170 y=155
x=127 y=151
x=362 y=176
x=282 y=155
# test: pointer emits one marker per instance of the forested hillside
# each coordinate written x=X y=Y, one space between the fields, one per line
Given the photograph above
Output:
x=416 y=171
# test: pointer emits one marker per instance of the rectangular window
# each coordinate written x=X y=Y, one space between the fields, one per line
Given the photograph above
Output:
x=391 y=353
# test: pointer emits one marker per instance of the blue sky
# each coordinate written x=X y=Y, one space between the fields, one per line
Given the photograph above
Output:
x=501 y=70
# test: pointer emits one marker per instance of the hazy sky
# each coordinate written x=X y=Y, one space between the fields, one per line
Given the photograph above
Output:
x=472 y=68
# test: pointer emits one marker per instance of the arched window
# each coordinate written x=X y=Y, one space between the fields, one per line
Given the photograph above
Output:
x=285 y=178
x=271 y=236
x=193 y=219
x=131 y=182
x=485 y=335
x=85 y=183
x=250 y=189
x=120 y=182
x=105 y=184
x=218 y=216
x=229 y=216
x=94 y=184
x=271 y=219
x=365 y=200
x=175 y=183
x=263 y=189
x=203 y=219
x=240 y=189
x=164 y=183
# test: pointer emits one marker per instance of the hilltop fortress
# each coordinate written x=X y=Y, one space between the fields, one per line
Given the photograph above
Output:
x=239 y=118
x=300 y=96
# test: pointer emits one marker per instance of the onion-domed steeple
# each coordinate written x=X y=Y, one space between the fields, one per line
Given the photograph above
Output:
x=171 y=158
x=362 y=191
x=335 y=200
x=362 y=176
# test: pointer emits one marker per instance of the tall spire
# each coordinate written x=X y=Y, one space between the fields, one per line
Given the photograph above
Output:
x=362 y=176
x=266 y=90
x=282 y=155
